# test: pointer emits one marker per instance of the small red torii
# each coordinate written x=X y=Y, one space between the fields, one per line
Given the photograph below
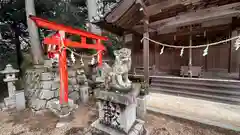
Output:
x=61 y=42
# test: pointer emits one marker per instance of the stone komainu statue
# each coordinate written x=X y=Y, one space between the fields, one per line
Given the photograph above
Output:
x=116 y=77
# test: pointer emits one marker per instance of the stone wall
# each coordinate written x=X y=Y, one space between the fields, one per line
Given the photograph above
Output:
x=42 y=87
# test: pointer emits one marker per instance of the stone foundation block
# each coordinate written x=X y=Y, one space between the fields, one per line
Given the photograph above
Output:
x=53 y=104
x=20 y=101
x=47 y=76
x=56 y=94
x=138 y=128
x=47 y=85
x=46 y=94
x=84 y=94
x=36 y=93
x=29 y=93
x=81 y=79
x=74 y=96
x=57 y=78
x=72 y=81
x=125 y=107
x=126 y=117
x=55 y=85
x=38 y=104
x=80 y=72
x=48 y=63
x=100 y=129
x=129 y=117
x=76 y=87
x=70 y=88
x=72 y=73
x=10 y=102
x=141 y=107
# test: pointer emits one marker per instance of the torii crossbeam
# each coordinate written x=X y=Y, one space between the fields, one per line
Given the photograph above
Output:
x=61 y=42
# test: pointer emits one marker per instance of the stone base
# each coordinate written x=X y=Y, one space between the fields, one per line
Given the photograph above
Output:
x=126 y=113
x=20 y=101
x=141 y=107
x=10 y=102
x=61 y=110
x=84 y=94
x=100 y=129
x=64 y=121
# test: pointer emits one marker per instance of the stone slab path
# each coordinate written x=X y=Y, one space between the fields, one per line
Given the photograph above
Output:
x=207 y=112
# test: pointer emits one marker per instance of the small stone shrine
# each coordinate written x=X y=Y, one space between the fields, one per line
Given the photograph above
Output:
x=118 y=99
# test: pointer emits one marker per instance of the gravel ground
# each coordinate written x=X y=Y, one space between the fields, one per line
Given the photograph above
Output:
x=27 y=123
x=159 y=124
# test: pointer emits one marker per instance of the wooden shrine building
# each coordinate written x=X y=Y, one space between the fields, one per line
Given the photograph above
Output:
x=182 y=23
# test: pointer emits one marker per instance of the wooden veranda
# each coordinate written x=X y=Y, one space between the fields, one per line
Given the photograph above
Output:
x=181 y=23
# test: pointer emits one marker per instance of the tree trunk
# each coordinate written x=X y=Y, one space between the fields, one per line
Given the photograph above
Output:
x=92 y=12
x=18 y=46
x=36 y=48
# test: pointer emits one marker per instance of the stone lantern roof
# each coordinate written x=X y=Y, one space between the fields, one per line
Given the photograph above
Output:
x=9 y=70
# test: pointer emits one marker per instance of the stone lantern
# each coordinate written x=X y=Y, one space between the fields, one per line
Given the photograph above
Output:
x=10 y=78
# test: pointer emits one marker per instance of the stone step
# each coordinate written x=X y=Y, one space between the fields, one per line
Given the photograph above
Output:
x=197 y=83
x=194 y=94
x=210 y=90
x=199 y=80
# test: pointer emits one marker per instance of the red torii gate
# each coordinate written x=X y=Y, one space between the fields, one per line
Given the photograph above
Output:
x=61 y=42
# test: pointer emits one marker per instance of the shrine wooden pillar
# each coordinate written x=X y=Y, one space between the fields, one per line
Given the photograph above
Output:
x=206 y=57
x=190 y=54
x=156 y=58
x=146 y=52
x=235 y=55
